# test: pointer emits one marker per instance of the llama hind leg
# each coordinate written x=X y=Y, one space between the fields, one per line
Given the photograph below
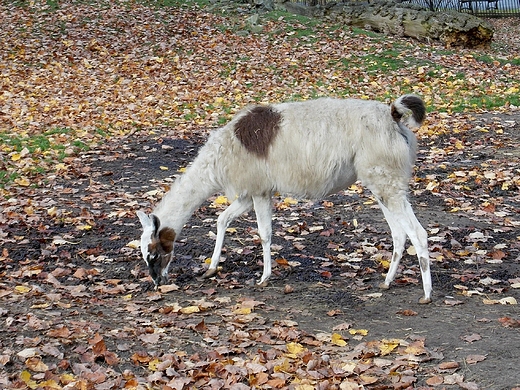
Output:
x=399 y=239
x=264 y=212
x=235 y=209
x=399 y=211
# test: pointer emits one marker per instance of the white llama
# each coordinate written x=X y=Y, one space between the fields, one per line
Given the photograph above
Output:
x=309 y=149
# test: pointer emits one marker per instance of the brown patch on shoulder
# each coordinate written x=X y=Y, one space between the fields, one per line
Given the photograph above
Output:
x=257 y=129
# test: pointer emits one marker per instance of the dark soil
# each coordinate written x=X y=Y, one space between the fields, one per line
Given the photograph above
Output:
x=314 y=286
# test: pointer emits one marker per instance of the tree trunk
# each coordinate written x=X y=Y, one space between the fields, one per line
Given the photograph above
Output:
x=450 y=27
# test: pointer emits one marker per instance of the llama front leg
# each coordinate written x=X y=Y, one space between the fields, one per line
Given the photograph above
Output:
x=235 y=209
x=264 y=212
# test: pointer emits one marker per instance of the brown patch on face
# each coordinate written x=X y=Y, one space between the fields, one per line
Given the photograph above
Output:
x=166 y=238
x=162 y=243
x=257 y=129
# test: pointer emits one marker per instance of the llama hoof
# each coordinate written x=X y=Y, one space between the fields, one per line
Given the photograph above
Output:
x=384 y=286
x=263 y=284
x=209 y=273
x=424 y=301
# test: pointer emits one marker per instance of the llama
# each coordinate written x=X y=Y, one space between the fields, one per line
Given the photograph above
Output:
x=309 y=149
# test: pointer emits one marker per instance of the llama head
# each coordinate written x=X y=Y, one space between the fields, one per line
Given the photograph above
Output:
x=156 y=247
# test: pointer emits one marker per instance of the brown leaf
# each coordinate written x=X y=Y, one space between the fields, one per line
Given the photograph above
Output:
x=471 y=338
x=509 y=322
x=448 y=366
x=472 y=359
x=62 y=332
x=453 y=302
x=407 y=312
x=36 y=364
x=201 y=327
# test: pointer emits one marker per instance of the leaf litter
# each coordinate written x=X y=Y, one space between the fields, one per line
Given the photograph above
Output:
x=123 y=95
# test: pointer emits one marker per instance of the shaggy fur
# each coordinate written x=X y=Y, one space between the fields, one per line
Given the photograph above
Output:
x=311 y=149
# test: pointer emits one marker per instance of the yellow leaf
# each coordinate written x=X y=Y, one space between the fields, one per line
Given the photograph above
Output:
x=221 y=200
x=127 y=297
x=388 y=346
x=61 y=167
x=25 y=376
x=384 y=263
x=284 y=367
x=40 y=306
x=50 y=384
x=22 y=289
x=289 y=201
x=163 y=168
x=231 y=230
x=243 y=310
x=65 y=379
x=337 y=339
x=362 y=332
x=84 y=227
x=182 y=170
x=22 y=181
x=52 y=211
x=190 y=310
x=16 y=156
x=152 y=365
x=294 y=349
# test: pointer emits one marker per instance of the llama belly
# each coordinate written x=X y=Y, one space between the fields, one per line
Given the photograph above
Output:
x=312 y=183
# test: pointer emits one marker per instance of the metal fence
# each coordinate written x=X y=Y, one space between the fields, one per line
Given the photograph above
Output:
x=488 y=8
x=484 y=8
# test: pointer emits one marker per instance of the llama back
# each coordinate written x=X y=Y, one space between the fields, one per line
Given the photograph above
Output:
x=311 y=149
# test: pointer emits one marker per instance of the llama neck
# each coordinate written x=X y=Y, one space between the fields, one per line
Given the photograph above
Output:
x=187 y=193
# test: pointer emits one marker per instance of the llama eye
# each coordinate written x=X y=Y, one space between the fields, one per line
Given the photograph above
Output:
x=153 y=257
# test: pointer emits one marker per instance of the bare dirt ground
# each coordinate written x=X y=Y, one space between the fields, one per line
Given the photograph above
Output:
x=77 y=300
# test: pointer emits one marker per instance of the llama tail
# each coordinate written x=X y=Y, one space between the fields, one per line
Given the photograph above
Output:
x=409 y=110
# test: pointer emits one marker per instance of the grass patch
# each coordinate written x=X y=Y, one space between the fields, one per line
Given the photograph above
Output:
x=31 y=155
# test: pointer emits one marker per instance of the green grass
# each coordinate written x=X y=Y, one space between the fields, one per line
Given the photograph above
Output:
x=36 y=154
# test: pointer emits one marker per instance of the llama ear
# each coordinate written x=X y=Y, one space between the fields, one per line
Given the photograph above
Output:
x=145 y=220
x=155 y=223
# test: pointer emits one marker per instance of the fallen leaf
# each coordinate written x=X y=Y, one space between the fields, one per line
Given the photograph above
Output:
x=435 y=380
x=166 y=288
x=472 y=359
x=471 y=338
x=190 y=310
x=509 y=322
x=407 y=313
x=338 y=340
